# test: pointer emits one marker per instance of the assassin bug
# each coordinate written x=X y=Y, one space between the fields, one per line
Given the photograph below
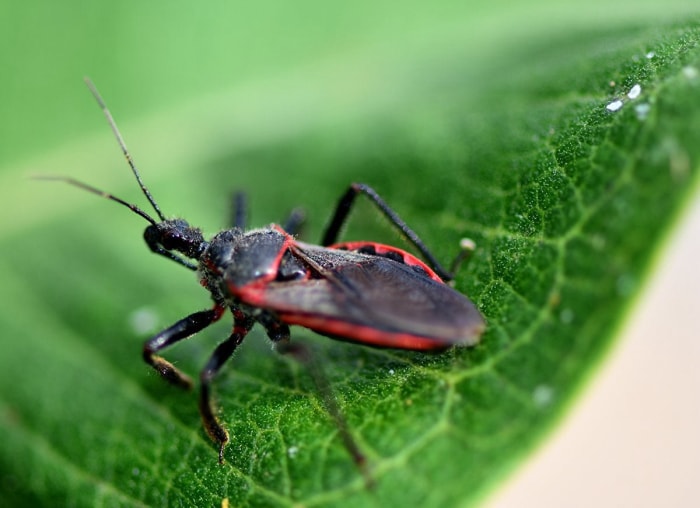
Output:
x=359 y=291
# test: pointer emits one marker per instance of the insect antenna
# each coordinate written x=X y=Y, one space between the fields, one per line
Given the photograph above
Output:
x=94 y=190
x=122 y=145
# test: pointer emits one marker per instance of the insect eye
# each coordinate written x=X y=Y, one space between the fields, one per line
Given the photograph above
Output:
x=170 y=239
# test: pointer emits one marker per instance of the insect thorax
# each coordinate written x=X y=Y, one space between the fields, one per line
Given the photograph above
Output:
x=234 y=259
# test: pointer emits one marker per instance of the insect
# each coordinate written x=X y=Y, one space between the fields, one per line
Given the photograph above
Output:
x=360 y=291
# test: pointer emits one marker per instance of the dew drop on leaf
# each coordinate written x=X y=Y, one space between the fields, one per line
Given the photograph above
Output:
x=635 y=91
x=615 y=105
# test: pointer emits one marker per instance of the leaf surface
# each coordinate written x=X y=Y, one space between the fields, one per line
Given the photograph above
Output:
x=567 y=196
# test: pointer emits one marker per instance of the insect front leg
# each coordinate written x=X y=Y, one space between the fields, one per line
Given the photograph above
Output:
x=344 y=207
x=181 y=330
x=217 y=433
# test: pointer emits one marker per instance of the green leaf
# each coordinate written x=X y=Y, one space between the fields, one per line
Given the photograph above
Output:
x=567 y=198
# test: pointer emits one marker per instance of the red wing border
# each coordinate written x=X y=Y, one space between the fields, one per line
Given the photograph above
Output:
x=386 y=250
x=371 y=300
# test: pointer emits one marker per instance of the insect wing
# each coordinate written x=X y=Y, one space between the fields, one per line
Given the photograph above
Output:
x=371 y=300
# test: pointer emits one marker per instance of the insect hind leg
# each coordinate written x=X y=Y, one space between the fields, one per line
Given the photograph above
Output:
x=302 y=354
x=343 y=210
x=278 y=333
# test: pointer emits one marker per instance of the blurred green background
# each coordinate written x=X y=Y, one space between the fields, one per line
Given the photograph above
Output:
x=201 y=80
x=256 y=66
x=290 y=101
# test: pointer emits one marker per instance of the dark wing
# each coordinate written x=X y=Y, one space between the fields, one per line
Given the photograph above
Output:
x=372 y=300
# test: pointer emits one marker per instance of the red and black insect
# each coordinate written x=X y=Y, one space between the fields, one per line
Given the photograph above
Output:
x=361 y=292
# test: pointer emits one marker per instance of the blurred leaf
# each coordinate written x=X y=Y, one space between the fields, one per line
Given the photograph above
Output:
x=566 y=197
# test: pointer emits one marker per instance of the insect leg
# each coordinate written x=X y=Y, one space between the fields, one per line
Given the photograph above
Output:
x=302 y=355
x=276 y=330
x=223 y=352
x=239 y=210
x=181 y=330
x=343 y=209
x=466 y=249
x=239 y=215
x=295 y=221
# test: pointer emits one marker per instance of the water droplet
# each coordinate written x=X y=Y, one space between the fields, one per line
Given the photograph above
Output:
x=566 y=316
x=614 y=105
x=391 y=371
x=292 y=451
x=642 y=110
x=650 y=55
x=543 y=395
x=467 y=244
x=143 y=320
x=690 y=72
x=635 y=91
